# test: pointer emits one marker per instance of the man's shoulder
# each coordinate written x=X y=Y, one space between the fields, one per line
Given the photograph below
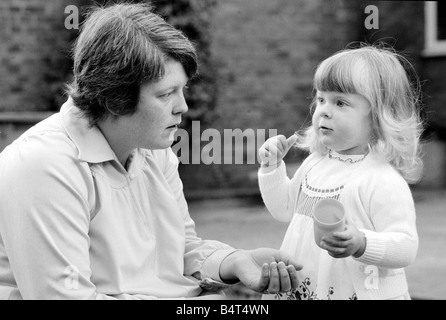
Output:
x=45 y=143
x=160 y=155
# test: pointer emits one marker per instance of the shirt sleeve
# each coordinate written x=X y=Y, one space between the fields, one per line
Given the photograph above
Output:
x=202 y=258
x=45 y=217
x=392 y=242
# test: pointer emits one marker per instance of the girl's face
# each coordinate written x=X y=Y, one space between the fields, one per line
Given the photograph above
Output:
x=343 y=122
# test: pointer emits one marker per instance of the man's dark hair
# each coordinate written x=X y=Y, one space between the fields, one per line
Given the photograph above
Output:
x=120 y=48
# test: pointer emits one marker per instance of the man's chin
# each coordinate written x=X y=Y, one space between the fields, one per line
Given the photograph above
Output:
x=163 y=142
x=172 y=136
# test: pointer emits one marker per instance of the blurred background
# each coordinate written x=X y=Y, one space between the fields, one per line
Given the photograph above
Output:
x=257 y=62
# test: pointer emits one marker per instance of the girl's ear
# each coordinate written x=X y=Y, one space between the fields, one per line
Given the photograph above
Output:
x=374 y=137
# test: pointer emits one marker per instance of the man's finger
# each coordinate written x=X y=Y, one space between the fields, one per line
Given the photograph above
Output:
x=264 y=277
x=289 y=261
x=274 y=281
x=285 y=282
x=293 y=277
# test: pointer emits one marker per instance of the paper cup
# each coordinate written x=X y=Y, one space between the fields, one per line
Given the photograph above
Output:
x=328 y=217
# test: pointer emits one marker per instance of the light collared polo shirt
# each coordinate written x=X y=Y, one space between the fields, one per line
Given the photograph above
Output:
x=74 y=224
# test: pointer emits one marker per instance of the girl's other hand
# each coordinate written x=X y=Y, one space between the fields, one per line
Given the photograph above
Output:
x=350 y=242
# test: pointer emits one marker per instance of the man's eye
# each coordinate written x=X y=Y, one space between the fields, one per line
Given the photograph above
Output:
x=166 y=95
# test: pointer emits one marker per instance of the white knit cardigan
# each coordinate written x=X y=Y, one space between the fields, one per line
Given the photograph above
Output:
x=378 y=202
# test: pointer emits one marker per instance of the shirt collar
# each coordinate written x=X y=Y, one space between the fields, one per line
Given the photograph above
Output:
x=91 y=143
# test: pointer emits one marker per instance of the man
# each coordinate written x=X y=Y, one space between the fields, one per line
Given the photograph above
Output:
x=92 y=205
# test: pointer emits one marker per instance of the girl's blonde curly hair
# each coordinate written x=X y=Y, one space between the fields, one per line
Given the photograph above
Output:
x=382 y=76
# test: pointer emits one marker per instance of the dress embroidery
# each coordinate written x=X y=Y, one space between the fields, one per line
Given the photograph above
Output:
x=343 y=158
x=304 y=292
x=316 y=192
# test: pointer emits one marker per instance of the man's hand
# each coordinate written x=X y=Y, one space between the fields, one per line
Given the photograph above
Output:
x=261 y=269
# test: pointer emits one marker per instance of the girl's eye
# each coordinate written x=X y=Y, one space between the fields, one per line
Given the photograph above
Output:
x=341 y=104
x=320 y=100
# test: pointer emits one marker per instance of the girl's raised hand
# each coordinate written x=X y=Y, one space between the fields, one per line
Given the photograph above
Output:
x=274 y=150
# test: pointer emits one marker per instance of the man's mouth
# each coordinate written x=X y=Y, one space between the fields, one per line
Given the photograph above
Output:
x=175 y=126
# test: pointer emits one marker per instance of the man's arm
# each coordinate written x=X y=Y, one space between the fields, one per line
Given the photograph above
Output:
x=259 y=269
x=45 y=217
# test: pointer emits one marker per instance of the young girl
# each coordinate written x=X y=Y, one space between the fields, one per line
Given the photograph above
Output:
x=364 y=150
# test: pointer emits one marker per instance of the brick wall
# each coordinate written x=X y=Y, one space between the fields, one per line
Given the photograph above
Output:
x=33 y=54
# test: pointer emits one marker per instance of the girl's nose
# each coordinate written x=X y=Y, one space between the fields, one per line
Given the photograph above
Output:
x=325 y=111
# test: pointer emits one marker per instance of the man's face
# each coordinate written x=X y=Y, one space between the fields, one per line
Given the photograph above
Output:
x=159 y=110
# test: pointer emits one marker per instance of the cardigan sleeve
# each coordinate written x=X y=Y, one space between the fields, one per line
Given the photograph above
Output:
x=392 y=239
x=275 y=188
x=279 y=193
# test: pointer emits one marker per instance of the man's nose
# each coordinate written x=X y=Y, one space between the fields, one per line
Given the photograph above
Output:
x=181 y=105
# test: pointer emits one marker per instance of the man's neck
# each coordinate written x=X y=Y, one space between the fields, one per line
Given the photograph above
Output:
x=118 y=143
